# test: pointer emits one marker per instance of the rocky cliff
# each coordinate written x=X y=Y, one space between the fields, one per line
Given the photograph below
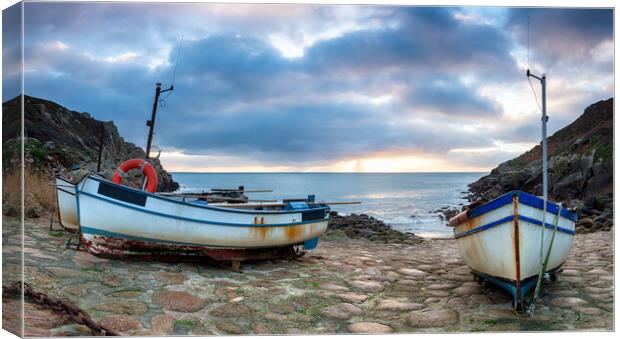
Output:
x=57 y=138
x=580 y=169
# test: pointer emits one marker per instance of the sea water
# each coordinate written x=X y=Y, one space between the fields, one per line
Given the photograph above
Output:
x=406 y=201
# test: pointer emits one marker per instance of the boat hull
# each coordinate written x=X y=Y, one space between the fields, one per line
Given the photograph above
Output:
x=500 y=241
x=67 y=204
x=116 y=219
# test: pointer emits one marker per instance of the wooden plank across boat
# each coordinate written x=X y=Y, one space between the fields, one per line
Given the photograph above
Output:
x=500 y=240
x=116 y=220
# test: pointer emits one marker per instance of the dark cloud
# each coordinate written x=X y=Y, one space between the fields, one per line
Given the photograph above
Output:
x=448 y=96
x=306 y=133
x=11 y=51
x=561 y=34
x=236 y=94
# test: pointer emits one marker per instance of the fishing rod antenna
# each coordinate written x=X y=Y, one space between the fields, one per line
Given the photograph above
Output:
x=162 y=102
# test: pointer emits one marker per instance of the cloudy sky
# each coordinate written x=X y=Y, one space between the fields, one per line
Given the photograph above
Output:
x=320 y=87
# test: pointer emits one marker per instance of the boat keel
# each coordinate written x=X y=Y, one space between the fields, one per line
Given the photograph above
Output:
x=109 y=247
x=510 y=286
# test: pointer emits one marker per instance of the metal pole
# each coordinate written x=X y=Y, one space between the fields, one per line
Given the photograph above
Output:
x=151 y=123
x=543 y=82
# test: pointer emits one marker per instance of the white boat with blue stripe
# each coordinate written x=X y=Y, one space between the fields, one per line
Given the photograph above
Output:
x=67 y=204
x=500 y=241
x=116 y=220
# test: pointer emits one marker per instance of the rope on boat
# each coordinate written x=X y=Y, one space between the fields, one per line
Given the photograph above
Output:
x=543 y=265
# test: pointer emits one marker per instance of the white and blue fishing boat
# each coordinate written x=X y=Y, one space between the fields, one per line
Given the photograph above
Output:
x=510 y=241
x=500 y=240
x=67 y=204
x=119 y=221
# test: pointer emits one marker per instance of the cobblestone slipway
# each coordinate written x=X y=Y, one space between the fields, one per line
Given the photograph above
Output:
x=343 y=286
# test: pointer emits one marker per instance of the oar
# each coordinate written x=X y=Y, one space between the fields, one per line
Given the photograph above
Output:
x=283 y=204
x=211 y=192
x=242 y=191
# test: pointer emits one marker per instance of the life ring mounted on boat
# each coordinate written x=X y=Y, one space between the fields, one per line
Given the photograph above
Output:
x=141 y=164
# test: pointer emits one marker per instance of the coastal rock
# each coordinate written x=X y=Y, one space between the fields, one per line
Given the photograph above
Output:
x=59 y=138
x=580 y=163
x=369 y=327
x=367 y=227
x=179 y=301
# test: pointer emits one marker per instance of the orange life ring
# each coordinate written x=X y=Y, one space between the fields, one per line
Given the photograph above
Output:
x=147 y=170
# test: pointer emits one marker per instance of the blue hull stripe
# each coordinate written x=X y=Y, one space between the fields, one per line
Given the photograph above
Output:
x=524 y=198
x=508 y=219
x=538 y=203
x=214 y=223
x=215 y=208
x=484 y=227
x=549 y=226
x=97 y=231
x=491 y=205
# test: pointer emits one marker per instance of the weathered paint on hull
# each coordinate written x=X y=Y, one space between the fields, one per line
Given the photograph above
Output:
x=490 y=251
x=67 y=204
x=109 y=247
x=502 y=244
x=137 y=218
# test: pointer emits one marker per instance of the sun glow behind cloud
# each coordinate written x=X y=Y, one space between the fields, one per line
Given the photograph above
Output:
x=176 y=161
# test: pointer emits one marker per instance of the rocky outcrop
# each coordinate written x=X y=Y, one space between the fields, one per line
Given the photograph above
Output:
x=57 y=138
x=580 y=169
x=363 y=226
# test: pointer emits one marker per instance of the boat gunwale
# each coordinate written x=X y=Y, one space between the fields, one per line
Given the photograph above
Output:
x=213 y=223
x=511 y=217
x=63 y=190
x=208 y=207
x=524 y=198
x=65 y=180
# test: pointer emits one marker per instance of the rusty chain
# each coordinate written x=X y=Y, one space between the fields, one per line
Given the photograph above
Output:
x=75 y=313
